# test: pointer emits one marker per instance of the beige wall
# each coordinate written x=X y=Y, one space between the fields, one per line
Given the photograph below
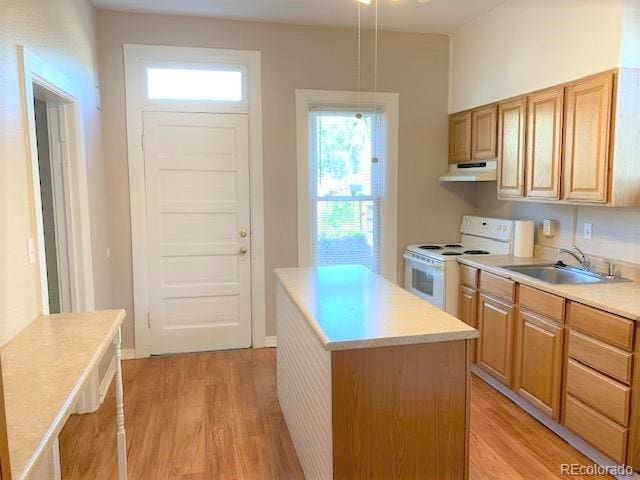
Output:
x=534 y=44
x=61 y=32
x=293 y=57
x=616 y=231
x=525 y=45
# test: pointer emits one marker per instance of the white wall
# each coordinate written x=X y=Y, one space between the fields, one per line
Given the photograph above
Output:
x=630 y=48
x=62 y=33
x=525 y=45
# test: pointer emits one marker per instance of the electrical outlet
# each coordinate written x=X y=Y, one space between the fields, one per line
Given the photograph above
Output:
x=587 y=232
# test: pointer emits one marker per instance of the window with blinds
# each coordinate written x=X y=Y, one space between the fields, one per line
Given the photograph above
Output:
x=347 y=186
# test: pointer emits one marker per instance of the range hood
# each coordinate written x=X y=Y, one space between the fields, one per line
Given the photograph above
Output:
x=471 y=172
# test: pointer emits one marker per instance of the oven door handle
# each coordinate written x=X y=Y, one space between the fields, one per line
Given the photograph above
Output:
x=437 y=266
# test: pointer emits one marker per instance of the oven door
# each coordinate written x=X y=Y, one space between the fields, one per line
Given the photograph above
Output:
x=425 y=279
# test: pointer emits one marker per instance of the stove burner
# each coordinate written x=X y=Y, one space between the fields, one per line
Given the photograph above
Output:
x=453 y=245
x=475 y=252
x=451 y=253
x=431 y=247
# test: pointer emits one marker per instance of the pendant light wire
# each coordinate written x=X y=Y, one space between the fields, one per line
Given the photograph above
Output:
x=359 y=115
x=375 y=61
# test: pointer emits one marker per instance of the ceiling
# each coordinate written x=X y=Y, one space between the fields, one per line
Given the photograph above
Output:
x=434 y=16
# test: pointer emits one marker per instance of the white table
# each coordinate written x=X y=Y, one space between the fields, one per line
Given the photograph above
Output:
x=44 y=370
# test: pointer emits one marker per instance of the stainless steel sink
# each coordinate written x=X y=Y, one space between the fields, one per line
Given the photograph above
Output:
x=559 y=273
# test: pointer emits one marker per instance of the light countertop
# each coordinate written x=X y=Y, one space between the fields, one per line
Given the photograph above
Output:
x=349 y=307
x=43 y=370
x=620 y=298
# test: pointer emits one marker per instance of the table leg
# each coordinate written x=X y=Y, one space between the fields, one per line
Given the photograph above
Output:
x=122 y=440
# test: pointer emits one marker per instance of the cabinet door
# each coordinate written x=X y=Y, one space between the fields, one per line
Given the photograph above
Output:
x=588 y=105
x=460 y=137
x=484 y=128
x=495 y=346
x=511 y=142
x=544 y=143
x=538 y=362
x=467 y=303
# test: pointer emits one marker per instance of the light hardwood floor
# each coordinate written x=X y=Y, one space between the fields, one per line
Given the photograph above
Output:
x=216 y=416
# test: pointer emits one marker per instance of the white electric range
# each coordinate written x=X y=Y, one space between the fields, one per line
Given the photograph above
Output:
x=431 y=270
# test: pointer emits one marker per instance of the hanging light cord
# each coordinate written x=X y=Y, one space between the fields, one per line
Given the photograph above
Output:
x=375 y=67
x=359 y=115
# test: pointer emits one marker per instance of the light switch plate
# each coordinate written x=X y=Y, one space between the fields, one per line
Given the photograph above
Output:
x=587 y=232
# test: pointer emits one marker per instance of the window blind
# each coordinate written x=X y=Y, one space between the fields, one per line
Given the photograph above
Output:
x=347 y=186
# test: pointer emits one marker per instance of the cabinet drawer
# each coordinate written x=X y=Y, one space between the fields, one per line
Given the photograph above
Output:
x=469 y=276
x=601 y=393
x=605 y=435
x=497 y=286
x=604 y=358
x=542 y=302
x=604 y=326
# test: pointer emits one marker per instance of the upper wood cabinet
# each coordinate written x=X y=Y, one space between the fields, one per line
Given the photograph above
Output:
x=460 y=137
x=544 y=143
x=484 y=133
x=511 y=143
x=494 y=350
x=586 y=139
x=473 y=135
x=574 y=143
x=538 y=361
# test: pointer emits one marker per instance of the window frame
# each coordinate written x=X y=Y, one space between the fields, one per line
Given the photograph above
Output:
x=325 y=99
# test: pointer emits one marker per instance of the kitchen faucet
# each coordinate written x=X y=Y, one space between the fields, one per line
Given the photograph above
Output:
x=579 y=255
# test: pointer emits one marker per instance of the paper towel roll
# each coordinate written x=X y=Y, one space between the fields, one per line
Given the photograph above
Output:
x=523 y=238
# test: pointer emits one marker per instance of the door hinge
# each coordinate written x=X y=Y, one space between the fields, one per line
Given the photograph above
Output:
x=148 y=320
x=142 y=140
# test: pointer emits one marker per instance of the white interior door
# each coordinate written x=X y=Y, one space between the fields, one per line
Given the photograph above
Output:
x=197 y=191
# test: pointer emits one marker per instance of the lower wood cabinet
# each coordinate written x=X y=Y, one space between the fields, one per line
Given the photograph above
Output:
x=538 y=361
x=467 y=307
x=495 y=346
x=577 y=364
x=604 y=434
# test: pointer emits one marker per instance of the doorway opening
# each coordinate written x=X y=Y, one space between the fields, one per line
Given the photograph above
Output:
x=52 y=169
x=61 y=244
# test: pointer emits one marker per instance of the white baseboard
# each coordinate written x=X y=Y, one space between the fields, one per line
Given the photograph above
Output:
x=128 y=353
x=270 y=342
x=573 y=440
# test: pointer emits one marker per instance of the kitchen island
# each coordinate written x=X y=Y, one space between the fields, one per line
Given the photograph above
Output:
x=373 y=381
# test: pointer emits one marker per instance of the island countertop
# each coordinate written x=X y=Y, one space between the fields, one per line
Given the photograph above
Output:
x=349 y=307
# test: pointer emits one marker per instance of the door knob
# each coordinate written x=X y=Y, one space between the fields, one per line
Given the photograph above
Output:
x=243 y=233
x=243 y=250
